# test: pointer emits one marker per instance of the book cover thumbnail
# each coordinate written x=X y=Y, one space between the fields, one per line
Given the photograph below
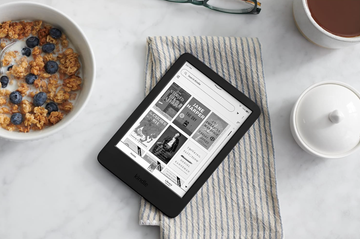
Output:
x=173 y=177
x=134 y=147
x=172 y=101
x=168 y=144
x=188 y=159
x=210 y=130
x=149 y=128
x=154 y=163
x=191 y=116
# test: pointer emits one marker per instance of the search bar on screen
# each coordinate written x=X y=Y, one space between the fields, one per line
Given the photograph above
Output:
x=206 y=89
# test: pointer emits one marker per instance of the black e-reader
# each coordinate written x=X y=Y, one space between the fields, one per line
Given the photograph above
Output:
x=179 y=134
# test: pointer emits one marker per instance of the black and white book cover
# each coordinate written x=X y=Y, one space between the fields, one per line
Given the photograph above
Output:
x=148 y=129
x=168 y=144
x=172 y=101
x=191 y=116
x=210 y=130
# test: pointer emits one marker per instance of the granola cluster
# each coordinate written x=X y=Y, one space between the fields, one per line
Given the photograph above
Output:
x=72 y=83
x=43 y=33
x=21 y=69
x=69 y=62
x=49 y=57
x=37 y=65
x=31 y=75
x=15 y=30
x=8 y=58
x=26 y=107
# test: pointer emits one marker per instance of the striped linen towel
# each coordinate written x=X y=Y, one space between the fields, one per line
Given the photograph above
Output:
x=240 y=199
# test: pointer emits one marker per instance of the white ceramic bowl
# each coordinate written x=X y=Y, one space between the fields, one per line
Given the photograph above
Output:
x=35 y=11
x=316 y=34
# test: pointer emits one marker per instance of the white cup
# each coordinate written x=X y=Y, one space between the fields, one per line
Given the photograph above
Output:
x=315 y=33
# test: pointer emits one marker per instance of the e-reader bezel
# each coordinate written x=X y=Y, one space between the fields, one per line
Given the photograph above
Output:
x=143 y=182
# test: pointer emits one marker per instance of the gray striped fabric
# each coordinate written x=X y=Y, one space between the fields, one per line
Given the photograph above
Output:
x=239 y=200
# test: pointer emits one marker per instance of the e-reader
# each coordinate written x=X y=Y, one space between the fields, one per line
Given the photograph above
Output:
x=179 y=134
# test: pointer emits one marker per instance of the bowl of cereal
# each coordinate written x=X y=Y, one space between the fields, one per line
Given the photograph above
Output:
x=47 y=71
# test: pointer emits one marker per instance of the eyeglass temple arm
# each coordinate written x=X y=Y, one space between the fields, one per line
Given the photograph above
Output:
x=197 y=2
x=251 y=2
x=256 y=10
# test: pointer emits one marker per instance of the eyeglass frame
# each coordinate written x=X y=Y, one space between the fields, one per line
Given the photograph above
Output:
x=254 y=10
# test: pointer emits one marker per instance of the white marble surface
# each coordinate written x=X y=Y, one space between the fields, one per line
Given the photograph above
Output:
x=55 y=188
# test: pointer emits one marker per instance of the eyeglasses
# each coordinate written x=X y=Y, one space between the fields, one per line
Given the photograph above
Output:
x=227 y=6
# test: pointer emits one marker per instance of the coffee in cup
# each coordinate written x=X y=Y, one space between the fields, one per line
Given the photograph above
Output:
x=328 y=23
x=339 y=17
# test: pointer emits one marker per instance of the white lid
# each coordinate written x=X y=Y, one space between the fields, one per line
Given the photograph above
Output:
x=327 y=119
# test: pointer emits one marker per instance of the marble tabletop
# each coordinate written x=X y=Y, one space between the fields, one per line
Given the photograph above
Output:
x=55 y=188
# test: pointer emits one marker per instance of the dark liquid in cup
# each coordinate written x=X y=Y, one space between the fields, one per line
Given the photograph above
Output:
x=339 y=17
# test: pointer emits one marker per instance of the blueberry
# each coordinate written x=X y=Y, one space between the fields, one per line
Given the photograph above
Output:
x=16 y=118
x=48 y=47
x=30 y=78
x=4 y=81
x=51 y=67
x=32 y=42
x=51 y=106
x=55 y=33
x=9 y=68
x=40 y=98
x=26 y=51
x=15 y=97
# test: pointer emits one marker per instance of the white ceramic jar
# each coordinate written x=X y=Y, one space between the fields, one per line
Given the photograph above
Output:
x=325 y=121
x=316 y=34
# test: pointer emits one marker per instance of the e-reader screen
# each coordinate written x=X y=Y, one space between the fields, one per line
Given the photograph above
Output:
x=183 y=129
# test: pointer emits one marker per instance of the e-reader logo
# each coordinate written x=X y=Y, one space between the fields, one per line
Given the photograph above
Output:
x=142 y=181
